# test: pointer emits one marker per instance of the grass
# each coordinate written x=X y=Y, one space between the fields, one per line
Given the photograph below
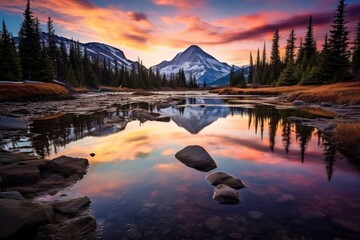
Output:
x=31 y=91
x=347 y=139
x=319 y=112
x=338 y=93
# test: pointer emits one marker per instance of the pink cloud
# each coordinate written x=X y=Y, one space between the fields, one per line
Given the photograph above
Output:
x=180 y=4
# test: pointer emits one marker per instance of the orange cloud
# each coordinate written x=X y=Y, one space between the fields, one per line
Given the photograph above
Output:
x=109 y=24
x=180 y=4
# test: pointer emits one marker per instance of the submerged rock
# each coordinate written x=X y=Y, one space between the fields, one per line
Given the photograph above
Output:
x=224 y=194
x=213 y=223
x=73 y=206
x=224 y=178
x=285 y=198
x=21 y=214
x=82 y=227
x=255 y=215
x=196 y=157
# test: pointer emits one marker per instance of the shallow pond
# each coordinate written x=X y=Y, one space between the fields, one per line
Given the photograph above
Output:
x=297 y=185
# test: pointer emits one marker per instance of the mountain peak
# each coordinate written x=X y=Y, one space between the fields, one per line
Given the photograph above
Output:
x=197 y=63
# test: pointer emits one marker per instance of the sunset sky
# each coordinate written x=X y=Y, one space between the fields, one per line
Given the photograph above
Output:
x=156 y=30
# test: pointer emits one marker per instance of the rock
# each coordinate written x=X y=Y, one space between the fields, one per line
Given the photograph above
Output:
x=15 y=174
x=326 y=104
x=298 y=103
x=213 y=223
x=11 y=157
x=150 y=205
x=19 y=214
x=348 y=224
x=68 y=166
x=294 y=119
x=11 y=195
x=73 y=206
x=196 y=157
x=285 y=198
x=134 y=234
x=226 y=195
x=92 y=154
x=144 y=115
x=224 y=178
x=12 y=123
x=20 y=110
x=329 y=126
x=235 y=235
x=79 y=228
x=255 y=215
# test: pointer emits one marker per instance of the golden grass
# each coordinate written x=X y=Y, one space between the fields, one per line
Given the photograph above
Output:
x=30 y=91
x=49 y=117
x=347 y=138
x=338 y=93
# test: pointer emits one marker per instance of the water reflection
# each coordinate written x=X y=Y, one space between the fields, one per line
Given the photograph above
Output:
x=134 y=181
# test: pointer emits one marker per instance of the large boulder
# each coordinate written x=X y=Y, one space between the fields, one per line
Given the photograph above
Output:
x=14 y=174
x=144 y=115
x=224 y=194
x=196 y=157
x=15 y=195
x=68 y=166
x=73 y=206
x=18 y=215
x=79 y=228
x=224 y=178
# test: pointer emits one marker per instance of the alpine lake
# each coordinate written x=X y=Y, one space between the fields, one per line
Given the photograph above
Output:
x=297 y=185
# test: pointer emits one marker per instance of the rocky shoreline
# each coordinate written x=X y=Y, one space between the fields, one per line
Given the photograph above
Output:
x=23 y=177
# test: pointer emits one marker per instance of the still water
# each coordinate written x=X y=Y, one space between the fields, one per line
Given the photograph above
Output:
x=297 y=185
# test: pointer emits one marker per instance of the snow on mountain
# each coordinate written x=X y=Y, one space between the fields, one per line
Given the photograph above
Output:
x=94 y=50
x=203 y=66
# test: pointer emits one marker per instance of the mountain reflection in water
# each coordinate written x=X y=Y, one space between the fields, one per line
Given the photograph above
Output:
x=192 y=114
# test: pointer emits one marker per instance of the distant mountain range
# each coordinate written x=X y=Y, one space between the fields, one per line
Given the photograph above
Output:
x=194 y=61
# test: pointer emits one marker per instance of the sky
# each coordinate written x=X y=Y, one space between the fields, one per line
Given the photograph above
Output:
x=156 y=30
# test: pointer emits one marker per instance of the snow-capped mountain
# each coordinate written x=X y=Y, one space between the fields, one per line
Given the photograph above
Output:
x=203 y=66
x=95 y=50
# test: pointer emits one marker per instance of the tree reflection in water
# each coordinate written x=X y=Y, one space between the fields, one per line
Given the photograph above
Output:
x=189 y=113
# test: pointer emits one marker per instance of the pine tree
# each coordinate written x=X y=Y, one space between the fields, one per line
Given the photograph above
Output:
x=287 y=76
x=339 y=53
x=355 y=63
x=300 y=54
x=309 y=45
x=45 y=69
x=290 y=48
x=52 y=49
x=275 y=62
x=29 y=44
x=257 y=72
x=251 y=70
x=264 y=73
x=9 y=60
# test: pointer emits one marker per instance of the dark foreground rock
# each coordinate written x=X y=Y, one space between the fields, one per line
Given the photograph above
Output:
x=224 y=194
x=32 y=176
x=24 y=177
x=73 y=206
x=196 y=157
x=19 y=216
x=224 y=178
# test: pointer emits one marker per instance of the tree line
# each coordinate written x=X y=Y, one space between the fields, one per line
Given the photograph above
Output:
x=41 y=59
x=309 y=66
